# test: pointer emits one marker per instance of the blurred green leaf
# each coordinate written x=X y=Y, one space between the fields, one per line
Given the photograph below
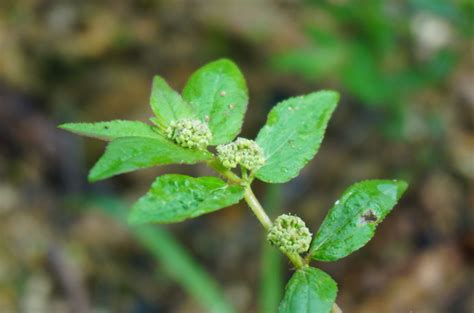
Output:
x=351 y=223
x=375 y=66
x=443 y=8
x=271 y=287
x=218 y=94
x=293 y=133
x=174 y=198
x=173 y=259
x=313 y=63
x=363 y=77
x=167 y=104
x=130 y=153
x=309 y=290
x=112 y=129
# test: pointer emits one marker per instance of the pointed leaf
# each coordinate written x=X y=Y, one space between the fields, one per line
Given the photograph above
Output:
x=218 y=94
x=112 y=129
x=351 y=223
x=309 y=290
x=127 y=154
x=174 y=198
x=167 y=104
x=293 y=134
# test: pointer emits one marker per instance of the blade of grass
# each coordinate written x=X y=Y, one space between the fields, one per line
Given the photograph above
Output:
x=271 y=286
x=172 y=256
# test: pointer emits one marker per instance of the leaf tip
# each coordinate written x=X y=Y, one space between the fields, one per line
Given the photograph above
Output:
x=402 y=186
x=94 y=175
x=157 y=81
x=224 y=61
x=333 y=95
x=66 y=126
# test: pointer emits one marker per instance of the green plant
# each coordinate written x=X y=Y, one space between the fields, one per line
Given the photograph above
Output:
x=370 y=49
x=210 y=112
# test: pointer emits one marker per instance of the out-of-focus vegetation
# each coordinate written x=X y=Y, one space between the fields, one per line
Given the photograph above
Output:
x=411 y=75
x=381 y=52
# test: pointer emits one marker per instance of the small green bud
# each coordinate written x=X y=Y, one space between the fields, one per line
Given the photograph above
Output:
x=243 y=151
x=290 y=234
x=189 y=133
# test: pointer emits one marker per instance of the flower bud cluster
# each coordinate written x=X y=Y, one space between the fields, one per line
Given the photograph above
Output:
x=243 y=151
x=290 y=234
x=189 y=133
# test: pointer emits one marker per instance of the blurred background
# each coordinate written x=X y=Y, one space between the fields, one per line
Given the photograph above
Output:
x=405 y=70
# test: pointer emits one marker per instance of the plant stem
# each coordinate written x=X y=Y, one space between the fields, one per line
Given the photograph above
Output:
x=257 y=208
x=228 y=174
x=261 y=215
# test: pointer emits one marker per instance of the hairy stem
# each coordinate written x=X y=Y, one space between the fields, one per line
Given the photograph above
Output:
x=257 y=208
x=261 y=215
x=224 y=172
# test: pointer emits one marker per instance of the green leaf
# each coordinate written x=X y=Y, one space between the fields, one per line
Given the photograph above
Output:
x=167 y=104
x=112 y=129
x=293 y=134
x=174 y=198
x=218 y=94
x=271 y=281
x=351 y=223
x=130 y=153
x=309 y=290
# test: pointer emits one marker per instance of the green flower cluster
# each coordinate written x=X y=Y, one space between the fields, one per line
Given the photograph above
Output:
x=242 y=151
x=290 y=234
x=189 y=133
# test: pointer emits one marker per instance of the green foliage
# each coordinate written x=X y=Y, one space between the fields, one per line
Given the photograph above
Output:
x=174 y=198
x=131 y=153
x=218 y=94
x=271 y=286
x=212 y=106
x=351 y=223
x=112 y=130
x=309 y=290
x=167 y=104
x=293 y=133
x=359 y=45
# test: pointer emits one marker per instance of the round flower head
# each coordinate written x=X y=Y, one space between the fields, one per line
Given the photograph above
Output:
x=227 y=155
x=189 y=133
x=243 y=151
x=290 y=234
x=250 y=154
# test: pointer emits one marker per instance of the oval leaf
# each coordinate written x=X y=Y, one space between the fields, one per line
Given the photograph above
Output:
x=293 y=134
x=167 y=104
x=218 y=94
x=127 y=154
x=309 y=290
x=112 y=129
x=351 y=223
x=174 y=198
